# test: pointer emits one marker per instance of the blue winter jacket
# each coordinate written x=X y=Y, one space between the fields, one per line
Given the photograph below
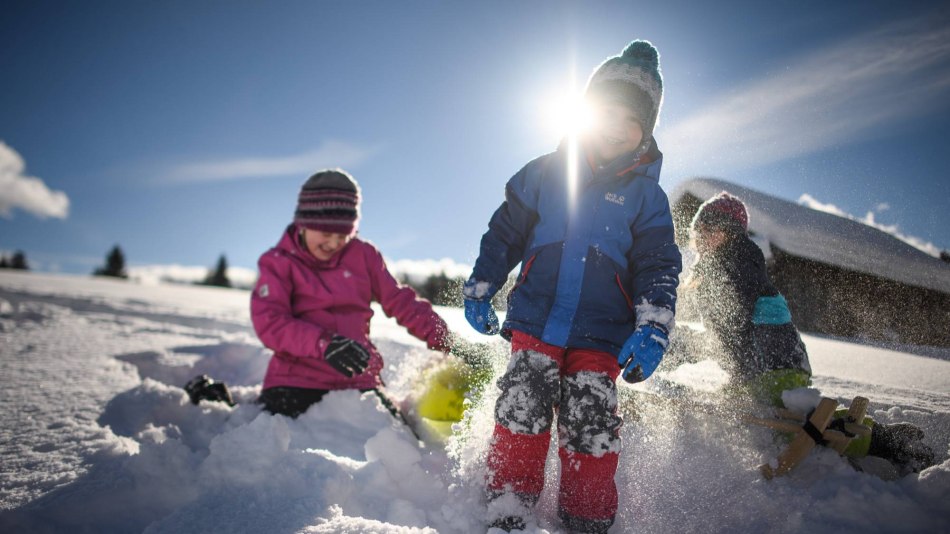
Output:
x=591 y=271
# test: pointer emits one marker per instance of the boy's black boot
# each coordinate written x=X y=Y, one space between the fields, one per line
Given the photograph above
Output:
x=900 y=443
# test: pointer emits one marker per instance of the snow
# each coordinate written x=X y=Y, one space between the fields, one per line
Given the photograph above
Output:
x=828 y=238
x=418 y=271
x=97 y=435
x=189 y=274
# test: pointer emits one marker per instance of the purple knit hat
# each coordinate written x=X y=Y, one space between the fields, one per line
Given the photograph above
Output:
x=723 y=212
x=329 y=202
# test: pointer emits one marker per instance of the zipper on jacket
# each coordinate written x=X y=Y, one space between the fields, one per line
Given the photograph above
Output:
x=623 y=291
x=524 y=276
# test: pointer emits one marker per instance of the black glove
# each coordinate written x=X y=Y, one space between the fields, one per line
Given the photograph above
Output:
x=203 y=387
x=346 y=355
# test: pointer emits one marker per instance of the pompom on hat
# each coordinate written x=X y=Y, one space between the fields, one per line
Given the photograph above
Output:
x=721 y=212
x=633 y=78
x=329 y=201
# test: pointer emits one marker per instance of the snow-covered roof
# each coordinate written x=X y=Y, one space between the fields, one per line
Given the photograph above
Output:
x=828 y=238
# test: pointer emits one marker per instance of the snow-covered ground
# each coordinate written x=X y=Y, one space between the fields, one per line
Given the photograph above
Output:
x=96 y=434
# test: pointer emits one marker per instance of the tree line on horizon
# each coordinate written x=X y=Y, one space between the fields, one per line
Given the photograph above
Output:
x=439 y=288
x=115 y=267
x=16 y=261
x=442 y=290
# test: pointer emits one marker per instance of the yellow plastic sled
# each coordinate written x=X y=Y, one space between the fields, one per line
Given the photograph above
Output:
x=442 y=403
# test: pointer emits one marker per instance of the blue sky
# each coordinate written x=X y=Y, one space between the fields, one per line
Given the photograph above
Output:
x=183 y=130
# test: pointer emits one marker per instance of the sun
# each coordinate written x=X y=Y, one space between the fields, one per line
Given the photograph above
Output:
x=566 y=114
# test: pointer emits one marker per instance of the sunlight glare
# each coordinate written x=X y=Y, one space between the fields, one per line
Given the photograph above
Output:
x=567 y=114
x=572 y=153
x=570 y=116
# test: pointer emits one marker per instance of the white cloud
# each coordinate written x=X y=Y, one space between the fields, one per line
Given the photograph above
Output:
x=28 y=193
x=813 y=203
x=329 y=154
x=916 y=242
x=188 y=274
x=417 y=271
x=854 y=90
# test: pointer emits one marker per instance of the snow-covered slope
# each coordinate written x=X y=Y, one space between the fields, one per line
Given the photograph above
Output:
x=97 y=435
x=828 y=238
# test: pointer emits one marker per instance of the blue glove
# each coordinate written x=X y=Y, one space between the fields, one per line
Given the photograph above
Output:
x=481 y=316
x=478 y=308
x=642 y=352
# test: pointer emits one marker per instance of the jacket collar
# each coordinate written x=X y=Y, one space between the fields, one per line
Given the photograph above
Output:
x=291 y=243
x=627 y=166
x=630 y=165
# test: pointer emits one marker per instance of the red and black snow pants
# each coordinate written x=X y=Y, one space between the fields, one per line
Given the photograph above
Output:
x=579 y=386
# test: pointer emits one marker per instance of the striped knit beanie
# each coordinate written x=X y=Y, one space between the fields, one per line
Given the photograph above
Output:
x=633 y=78
x=721 y=212
x=330 y=202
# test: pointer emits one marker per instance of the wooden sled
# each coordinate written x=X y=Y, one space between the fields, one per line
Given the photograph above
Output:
x=811 y=432
x=808 y=431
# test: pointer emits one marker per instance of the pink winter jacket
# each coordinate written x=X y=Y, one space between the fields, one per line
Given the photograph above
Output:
x=300 y=302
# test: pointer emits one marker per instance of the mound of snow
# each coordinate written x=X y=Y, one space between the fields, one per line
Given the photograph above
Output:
x=98 y=435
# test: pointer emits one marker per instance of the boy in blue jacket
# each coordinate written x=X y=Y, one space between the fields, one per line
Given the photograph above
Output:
x=597 y=288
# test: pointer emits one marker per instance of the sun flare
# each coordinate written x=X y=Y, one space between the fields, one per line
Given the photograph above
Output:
x=567 y=114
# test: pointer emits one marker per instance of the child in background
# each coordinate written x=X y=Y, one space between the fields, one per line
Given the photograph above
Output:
x=311 y=304
x=753 y=336
x=748 y=319
x=597 y=287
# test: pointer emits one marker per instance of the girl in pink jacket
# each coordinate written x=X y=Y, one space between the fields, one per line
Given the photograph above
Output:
x=311 y=305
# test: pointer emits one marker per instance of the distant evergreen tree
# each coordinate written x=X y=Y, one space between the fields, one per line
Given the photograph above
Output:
x=441 y=290
x=18 y=261
x=219 y=276
x=945 y=256
x=4 y=264
x=431 y=287
x=115 y=264
x=500 y=300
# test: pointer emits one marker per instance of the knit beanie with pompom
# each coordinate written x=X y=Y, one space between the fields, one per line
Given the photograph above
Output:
x=634 y=79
